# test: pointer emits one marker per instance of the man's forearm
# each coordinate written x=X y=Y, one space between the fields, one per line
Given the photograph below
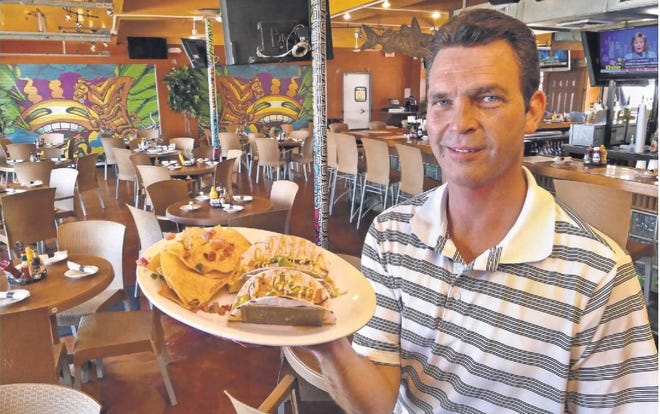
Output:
x=354 y=382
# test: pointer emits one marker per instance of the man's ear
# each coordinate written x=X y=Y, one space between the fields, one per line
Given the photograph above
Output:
x=535 y=112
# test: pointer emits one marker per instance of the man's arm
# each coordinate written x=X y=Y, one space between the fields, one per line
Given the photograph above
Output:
x=356 y=383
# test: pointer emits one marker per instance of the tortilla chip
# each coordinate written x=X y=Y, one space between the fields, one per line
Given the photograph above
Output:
x=192 y=289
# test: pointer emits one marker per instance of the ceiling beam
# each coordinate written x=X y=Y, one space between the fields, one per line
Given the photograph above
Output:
x=69 y=37
x=56 y=3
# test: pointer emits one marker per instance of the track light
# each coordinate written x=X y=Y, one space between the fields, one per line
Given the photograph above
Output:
x=347 y=16
x=109 y=12
x=93 y=47
x=386 y=4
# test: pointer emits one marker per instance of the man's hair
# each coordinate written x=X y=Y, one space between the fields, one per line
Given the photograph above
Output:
x=479 y=27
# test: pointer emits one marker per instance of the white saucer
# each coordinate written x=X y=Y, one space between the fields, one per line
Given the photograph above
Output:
x=76 y=274
x=190 y=207
x=202 y=198
x=243 y=198
x=57 y=257
x=18 y=295
x=232 y=208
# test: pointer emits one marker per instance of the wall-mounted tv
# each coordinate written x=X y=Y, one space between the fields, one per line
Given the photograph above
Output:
x=627 y=55
x=554 y=59
x=146 y=47
x=266 y=31
x=195 y=50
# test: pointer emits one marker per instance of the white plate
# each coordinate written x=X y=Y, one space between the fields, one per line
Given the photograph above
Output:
x=190 y=207
x=242 y=198
x=202 y=198
x=232 y=208
x=76 y=274
x=18 y=295
x=353 y=309
x=174 y=167
x=57 y=257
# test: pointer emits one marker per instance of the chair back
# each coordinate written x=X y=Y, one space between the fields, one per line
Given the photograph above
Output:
x=140 y=158
x=587 y=200
x=228 y=141
x=164 y=193
x=35 y=207
x=125 y=167
x=272 y=220
x=283 y=194
x=108 y=144
x=223 y=173
x=45 y=398
x=300 y=134
x=332 y=149
x=52 y=152
x=64 y=181
x=236 y=155
x=252 y=138
x=338 y=127
x=377 y=125
x=183 y=144
x=286 y=389
x=20 y=151
x=412 y=169
x=91 y=237
x=347 y=154
x=147 y=226
x=86 y=166
x=203 y=151
x=286 y=128
x=377 y=154
x=269 y=152
x=134 y=143
x=52 y=138
x=32 y=171
x=150 y=174
x=148 y=133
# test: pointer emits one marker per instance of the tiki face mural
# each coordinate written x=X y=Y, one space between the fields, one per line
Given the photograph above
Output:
x=262 y=96
x=81 y=101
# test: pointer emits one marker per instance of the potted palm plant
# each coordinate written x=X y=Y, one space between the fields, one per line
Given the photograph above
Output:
x=185 y=94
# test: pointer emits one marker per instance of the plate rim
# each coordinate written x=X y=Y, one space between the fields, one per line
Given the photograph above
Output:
x=15 y=300
x=80 y=274
x=354 y=307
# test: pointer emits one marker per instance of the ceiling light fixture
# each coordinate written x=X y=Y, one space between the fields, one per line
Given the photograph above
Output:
x=93 y=47
x=435 y=15
x=347 y=16
x=67 y=10
x=386 y=4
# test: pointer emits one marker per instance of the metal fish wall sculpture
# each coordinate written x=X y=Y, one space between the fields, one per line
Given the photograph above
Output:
x=409 y=40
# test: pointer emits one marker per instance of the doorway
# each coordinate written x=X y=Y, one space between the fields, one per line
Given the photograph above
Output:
x=357 y=99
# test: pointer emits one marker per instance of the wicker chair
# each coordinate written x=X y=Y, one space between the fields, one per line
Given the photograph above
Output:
x=87 y=181
x=37 y=398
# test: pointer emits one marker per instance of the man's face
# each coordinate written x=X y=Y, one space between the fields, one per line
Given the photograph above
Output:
x=476 y=116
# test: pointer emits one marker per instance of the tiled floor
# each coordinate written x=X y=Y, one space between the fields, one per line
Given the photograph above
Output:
x=203 y=366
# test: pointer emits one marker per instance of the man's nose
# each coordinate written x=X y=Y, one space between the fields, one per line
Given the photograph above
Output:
x=463 y=116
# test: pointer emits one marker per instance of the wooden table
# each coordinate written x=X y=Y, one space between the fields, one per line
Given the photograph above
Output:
x=157 y=154
x=196 y=172
x=212 y=216
x=28 y=329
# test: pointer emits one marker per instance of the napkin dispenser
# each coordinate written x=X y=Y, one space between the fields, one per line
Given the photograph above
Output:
x=587 y=135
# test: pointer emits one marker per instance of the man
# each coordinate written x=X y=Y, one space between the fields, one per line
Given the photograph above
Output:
x=490 y=296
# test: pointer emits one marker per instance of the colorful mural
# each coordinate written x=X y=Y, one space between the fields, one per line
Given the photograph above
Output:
x=258 y=97
x=81 y=101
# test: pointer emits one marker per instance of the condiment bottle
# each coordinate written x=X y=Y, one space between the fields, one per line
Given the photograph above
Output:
x=595 y=157
x=587 y=157
x=181 y=159
x=603 y=154
x=213 y=193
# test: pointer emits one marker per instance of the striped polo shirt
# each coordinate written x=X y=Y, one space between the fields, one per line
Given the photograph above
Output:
x=550 y=320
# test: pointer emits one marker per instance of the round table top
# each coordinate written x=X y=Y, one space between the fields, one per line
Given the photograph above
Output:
x=213 y=216
x=192 y=171
x=58 y=292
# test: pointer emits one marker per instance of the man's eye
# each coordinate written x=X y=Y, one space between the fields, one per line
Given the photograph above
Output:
x=490 y=98
x=442 y=102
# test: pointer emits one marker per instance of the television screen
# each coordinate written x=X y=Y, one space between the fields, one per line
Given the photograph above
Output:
x=624 y=55
x=554 y=59
x=266 y=31
x=147 y=47
x=195 y=50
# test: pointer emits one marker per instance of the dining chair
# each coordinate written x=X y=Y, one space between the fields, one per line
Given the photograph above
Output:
x=52 y=138
x=275 y=220
x=27 y=172
x=331 y=142
x=269 y=157
x=183 y=144
x=21 y=151
x=125 y=171
x=39 y=398
x=283 y=195
x=148 y=230
x=230 y=141
x=110 y=334
x=86 y=166
x=237 y=156
x=377 y=125
x=379 y=177
x=64 y=180
x=148 y=133
x=413 y=180
x=286 y=389
x=28 y=207
x=203 y=151
x=134 y=143
x=253 y=154
x=33 y=348
x=287 y=128
x=306 y=156
x=164 y=193
x=338 y=127
x=348 y=169
x=91 y=237
x=139 y=158
x=51 y=153
x=222 y=175
x=108 y=144
x=149 y=174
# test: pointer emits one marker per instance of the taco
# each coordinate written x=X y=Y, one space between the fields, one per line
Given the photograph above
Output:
x=283 y=296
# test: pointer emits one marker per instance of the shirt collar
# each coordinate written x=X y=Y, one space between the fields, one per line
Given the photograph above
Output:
x=530 y=238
